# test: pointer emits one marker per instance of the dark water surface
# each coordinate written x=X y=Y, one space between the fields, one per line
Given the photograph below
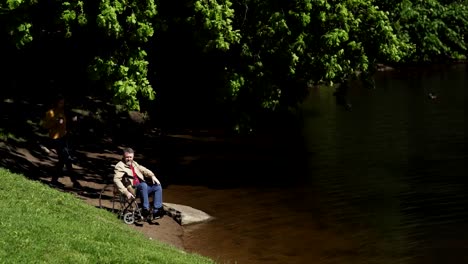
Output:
x=383 y=183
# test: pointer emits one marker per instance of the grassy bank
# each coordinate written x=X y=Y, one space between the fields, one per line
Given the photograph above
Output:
x=39 y=224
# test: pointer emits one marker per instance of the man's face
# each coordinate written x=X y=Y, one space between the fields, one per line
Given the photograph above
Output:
x=128 y=158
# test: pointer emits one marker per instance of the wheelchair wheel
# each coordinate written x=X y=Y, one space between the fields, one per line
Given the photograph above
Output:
x=129 y=218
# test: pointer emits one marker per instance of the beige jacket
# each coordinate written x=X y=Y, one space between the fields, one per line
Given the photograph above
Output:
x=123 y=176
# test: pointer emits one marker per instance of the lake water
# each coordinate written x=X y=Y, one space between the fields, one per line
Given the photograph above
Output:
x=383 y=183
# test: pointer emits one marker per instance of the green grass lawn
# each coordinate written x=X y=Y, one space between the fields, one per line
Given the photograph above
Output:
x=39 y=224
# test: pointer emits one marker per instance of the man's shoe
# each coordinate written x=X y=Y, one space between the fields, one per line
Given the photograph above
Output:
x=158 y=213
x=145 y=212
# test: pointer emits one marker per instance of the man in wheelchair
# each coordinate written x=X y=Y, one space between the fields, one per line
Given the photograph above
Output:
x=129 y=176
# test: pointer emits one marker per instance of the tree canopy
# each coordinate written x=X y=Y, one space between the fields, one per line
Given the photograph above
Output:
x=249 y=56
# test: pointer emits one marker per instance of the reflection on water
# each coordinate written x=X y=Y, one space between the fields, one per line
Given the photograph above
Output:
x=385 y=182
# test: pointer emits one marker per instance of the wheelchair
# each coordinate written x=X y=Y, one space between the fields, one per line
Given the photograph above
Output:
x=126 y=209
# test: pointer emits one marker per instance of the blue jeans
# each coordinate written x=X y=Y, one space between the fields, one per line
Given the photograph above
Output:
x=145 y=191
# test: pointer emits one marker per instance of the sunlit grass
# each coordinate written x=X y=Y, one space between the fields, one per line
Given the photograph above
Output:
x=39 y=224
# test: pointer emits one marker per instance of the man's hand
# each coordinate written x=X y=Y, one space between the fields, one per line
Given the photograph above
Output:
x=155 y=181
x=130 y=195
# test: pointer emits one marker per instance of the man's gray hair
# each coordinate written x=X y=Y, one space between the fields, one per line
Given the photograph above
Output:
x=128 y=150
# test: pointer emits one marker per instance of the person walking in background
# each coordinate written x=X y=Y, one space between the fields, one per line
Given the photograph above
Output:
x=129 y=175
x=55 y=121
